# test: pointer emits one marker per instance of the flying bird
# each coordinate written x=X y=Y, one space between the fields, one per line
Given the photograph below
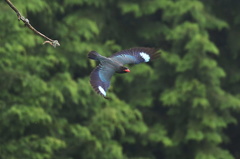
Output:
x=101 y=75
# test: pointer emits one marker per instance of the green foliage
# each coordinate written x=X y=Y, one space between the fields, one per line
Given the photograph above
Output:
x=183 y=105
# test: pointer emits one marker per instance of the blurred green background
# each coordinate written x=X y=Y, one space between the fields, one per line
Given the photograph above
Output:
x=185 y=105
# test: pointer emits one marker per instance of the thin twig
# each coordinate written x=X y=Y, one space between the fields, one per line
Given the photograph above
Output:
x=54 y=43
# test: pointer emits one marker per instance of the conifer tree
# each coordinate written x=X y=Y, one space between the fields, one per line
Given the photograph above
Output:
x=179 y=106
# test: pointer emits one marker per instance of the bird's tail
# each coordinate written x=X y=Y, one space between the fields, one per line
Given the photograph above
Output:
x=93 y=55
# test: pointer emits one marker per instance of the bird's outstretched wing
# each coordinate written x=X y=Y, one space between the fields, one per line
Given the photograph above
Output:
x=135 y=55
x=100 y=79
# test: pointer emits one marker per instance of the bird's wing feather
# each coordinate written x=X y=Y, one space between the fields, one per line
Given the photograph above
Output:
x=100 y=79
x=135 y=55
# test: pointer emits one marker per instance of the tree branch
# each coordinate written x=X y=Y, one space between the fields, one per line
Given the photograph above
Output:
x=54 y=43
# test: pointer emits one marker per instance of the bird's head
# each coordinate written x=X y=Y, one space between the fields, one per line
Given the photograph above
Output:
x=123 y=70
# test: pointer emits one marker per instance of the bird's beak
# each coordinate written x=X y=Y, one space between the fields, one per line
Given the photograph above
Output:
x=127 y=70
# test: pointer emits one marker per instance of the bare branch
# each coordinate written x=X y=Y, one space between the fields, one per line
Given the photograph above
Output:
x=54 y=43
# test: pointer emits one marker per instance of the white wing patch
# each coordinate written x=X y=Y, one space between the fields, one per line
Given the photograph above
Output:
x=102 y=90
x=145 y=56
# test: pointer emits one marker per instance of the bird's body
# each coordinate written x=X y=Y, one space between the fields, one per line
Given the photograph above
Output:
x=101 y=75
